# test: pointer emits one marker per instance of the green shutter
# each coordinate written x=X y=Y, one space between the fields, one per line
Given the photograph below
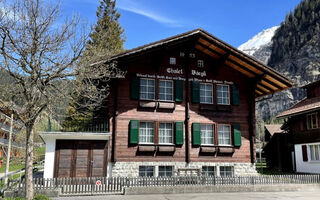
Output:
x=135 y=88
x=235 y=95
x=195 y=92
x=237 y=135
x=134 y=132
x=196 y=137
x=178 y=87
x=179 y=133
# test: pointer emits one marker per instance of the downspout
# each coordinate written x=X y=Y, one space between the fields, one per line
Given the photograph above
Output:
x=186 y=122
x=114 y=121
x=251 y=101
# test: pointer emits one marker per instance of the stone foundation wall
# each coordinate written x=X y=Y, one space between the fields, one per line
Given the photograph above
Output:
x=131 y=169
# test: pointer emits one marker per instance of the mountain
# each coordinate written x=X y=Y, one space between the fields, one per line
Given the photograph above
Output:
x=293 y=49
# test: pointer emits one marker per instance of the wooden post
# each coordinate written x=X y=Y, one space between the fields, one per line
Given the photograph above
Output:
x=9 y=149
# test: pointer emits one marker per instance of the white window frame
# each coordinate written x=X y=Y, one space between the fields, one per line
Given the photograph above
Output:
x=165 y=170
x=145 y=171
x=200 y=63
x=223 y=173
x=165 y=94
x=146 y=134
x=159 y=132
x=205 y=171
x=202 y=135
x=220 y=125
x=172 y=61
x=154 y=89
x=314 y=152
x=205 y=96
x=223 y=96
x=311 y=117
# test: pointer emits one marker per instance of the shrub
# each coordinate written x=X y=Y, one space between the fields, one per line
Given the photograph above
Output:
x=41 y=197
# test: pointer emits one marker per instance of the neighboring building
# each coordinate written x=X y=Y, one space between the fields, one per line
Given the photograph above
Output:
x=303 y=126
x=185 y=107
x=270 y=130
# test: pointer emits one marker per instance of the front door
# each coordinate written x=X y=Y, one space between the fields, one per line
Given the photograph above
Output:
x=77 y=158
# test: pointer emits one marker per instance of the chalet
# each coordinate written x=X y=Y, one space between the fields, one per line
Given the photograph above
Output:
x=185 y=107
x=303 y=125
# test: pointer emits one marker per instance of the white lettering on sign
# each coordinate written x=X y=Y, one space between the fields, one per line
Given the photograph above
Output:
x=174 y=71
x=197 y=73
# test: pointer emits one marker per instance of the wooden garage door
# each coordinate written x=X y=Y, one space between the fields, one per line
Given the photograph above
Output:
x=80 y=158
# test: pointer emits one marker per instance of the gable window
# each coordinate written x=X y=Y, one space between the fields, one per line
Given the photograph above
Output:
x=165 y=133
x=223 y=94
x=207 y=134
x=226 y=171
x=147 y=89
x=206 y=93
x=146 y=171
x=172 y=60
x=208 y=171
x=165 y=90
x=315 y=152
x=224 y=134
x=146 y=132
x=200 y=63
x=165 y=170
x=312 y=121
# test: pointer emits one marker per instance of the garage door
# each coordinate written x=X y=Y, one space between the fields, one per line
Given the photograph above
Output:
x=77 y=158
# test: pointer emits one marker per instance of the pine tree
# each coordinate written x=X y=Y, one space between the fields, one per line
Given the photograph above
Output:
x=107 y=37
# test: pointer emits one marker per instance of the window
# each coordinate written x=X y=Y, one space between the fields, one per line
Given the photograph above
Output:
x=200 y=63
x=165 y=90
x=207 y=133
x=181 y=54
x=224 y=132
x=226 y=171
x=165 y=170
x=146 y=134
x=165 y=133
x=147 y=89
x=315 y=152
x=312 y=121
x=206 y=93
x=172 y=60
x=223 y=97
x=146 y=171
x=208 y=171
x=192 y=55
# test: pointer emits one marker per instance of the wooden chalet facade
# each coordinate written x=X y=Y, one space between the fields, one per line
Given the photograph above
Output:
x=186 y=106
x=303 y=127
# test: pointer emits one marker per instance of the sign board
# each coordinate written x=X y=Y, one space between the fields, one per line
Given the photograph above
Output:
x=98 y=182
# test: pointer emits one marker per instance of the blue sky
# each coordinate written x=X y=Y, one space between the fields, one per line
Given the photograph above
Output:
x=145 y=21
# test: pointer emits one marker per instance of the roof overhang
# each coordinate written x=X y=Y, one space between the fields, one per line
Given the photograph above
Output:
x=298 y=113
x=268 y=81
x=74 y=136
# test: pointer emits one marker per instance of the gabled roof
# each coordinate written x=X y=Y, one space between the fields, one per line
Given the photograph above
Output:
x=316 y=83
x=304 y=106
x=273 y=128
x=269 y=81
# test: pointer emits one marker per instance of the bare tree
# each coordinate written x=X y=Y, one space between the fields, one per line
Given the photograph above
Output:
x=41 y=55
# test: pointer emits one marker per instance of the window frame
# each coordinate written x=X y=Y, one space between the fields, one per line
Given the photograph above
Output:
x=172 y=131
x=172 y=90
x=205 y=95
x=146 y=171
x=154 y=132
x=229 y=94
x=312 y=153
x=200 y=63
x=225 y=171
x=165 y=171
x=172 y=60
x=213 y=133
x=230 y=134
x=154 y=89
x=205 y=172
x=317 y=122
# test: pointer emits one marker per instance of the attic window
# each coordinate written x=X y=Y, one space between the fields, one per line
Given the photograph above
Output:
x=181 y=54
x=172 y=60
x=192 y=55
x=200 y=63
x=312 y=121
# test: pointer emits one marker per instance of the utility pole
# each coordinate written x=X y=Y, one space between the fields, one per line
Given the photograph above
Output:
x=9 y=149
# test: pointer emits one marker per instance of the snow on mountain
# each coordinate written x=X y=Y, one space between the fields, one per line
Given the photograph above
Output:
x=258 y=41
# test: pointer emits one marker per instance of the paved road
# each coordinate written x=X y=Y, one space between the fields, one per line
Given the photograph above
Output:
x=215 y=196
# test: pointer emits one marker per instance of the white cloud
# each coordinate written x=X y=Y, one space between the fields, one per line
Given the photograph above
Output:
x=134 y=7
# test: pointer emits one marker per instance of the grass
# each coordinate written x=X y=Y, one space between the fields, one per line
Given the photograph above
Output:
x=13 y=167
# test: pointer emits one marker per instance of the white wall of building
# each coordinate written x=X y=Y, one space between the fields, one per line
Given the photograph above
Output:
x=307 y=166
x=49 y=158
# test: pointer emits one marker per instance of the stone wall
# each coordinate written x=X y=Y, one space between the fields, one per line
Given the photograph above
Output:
x=131 y=169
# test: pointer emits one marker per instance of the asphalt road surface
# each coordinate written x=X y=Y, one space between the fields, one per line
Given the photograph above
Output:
x=203 y=196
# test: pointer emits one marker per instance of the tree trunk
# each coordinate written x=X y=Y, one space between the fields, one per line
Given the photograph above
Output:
x=29 y=160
